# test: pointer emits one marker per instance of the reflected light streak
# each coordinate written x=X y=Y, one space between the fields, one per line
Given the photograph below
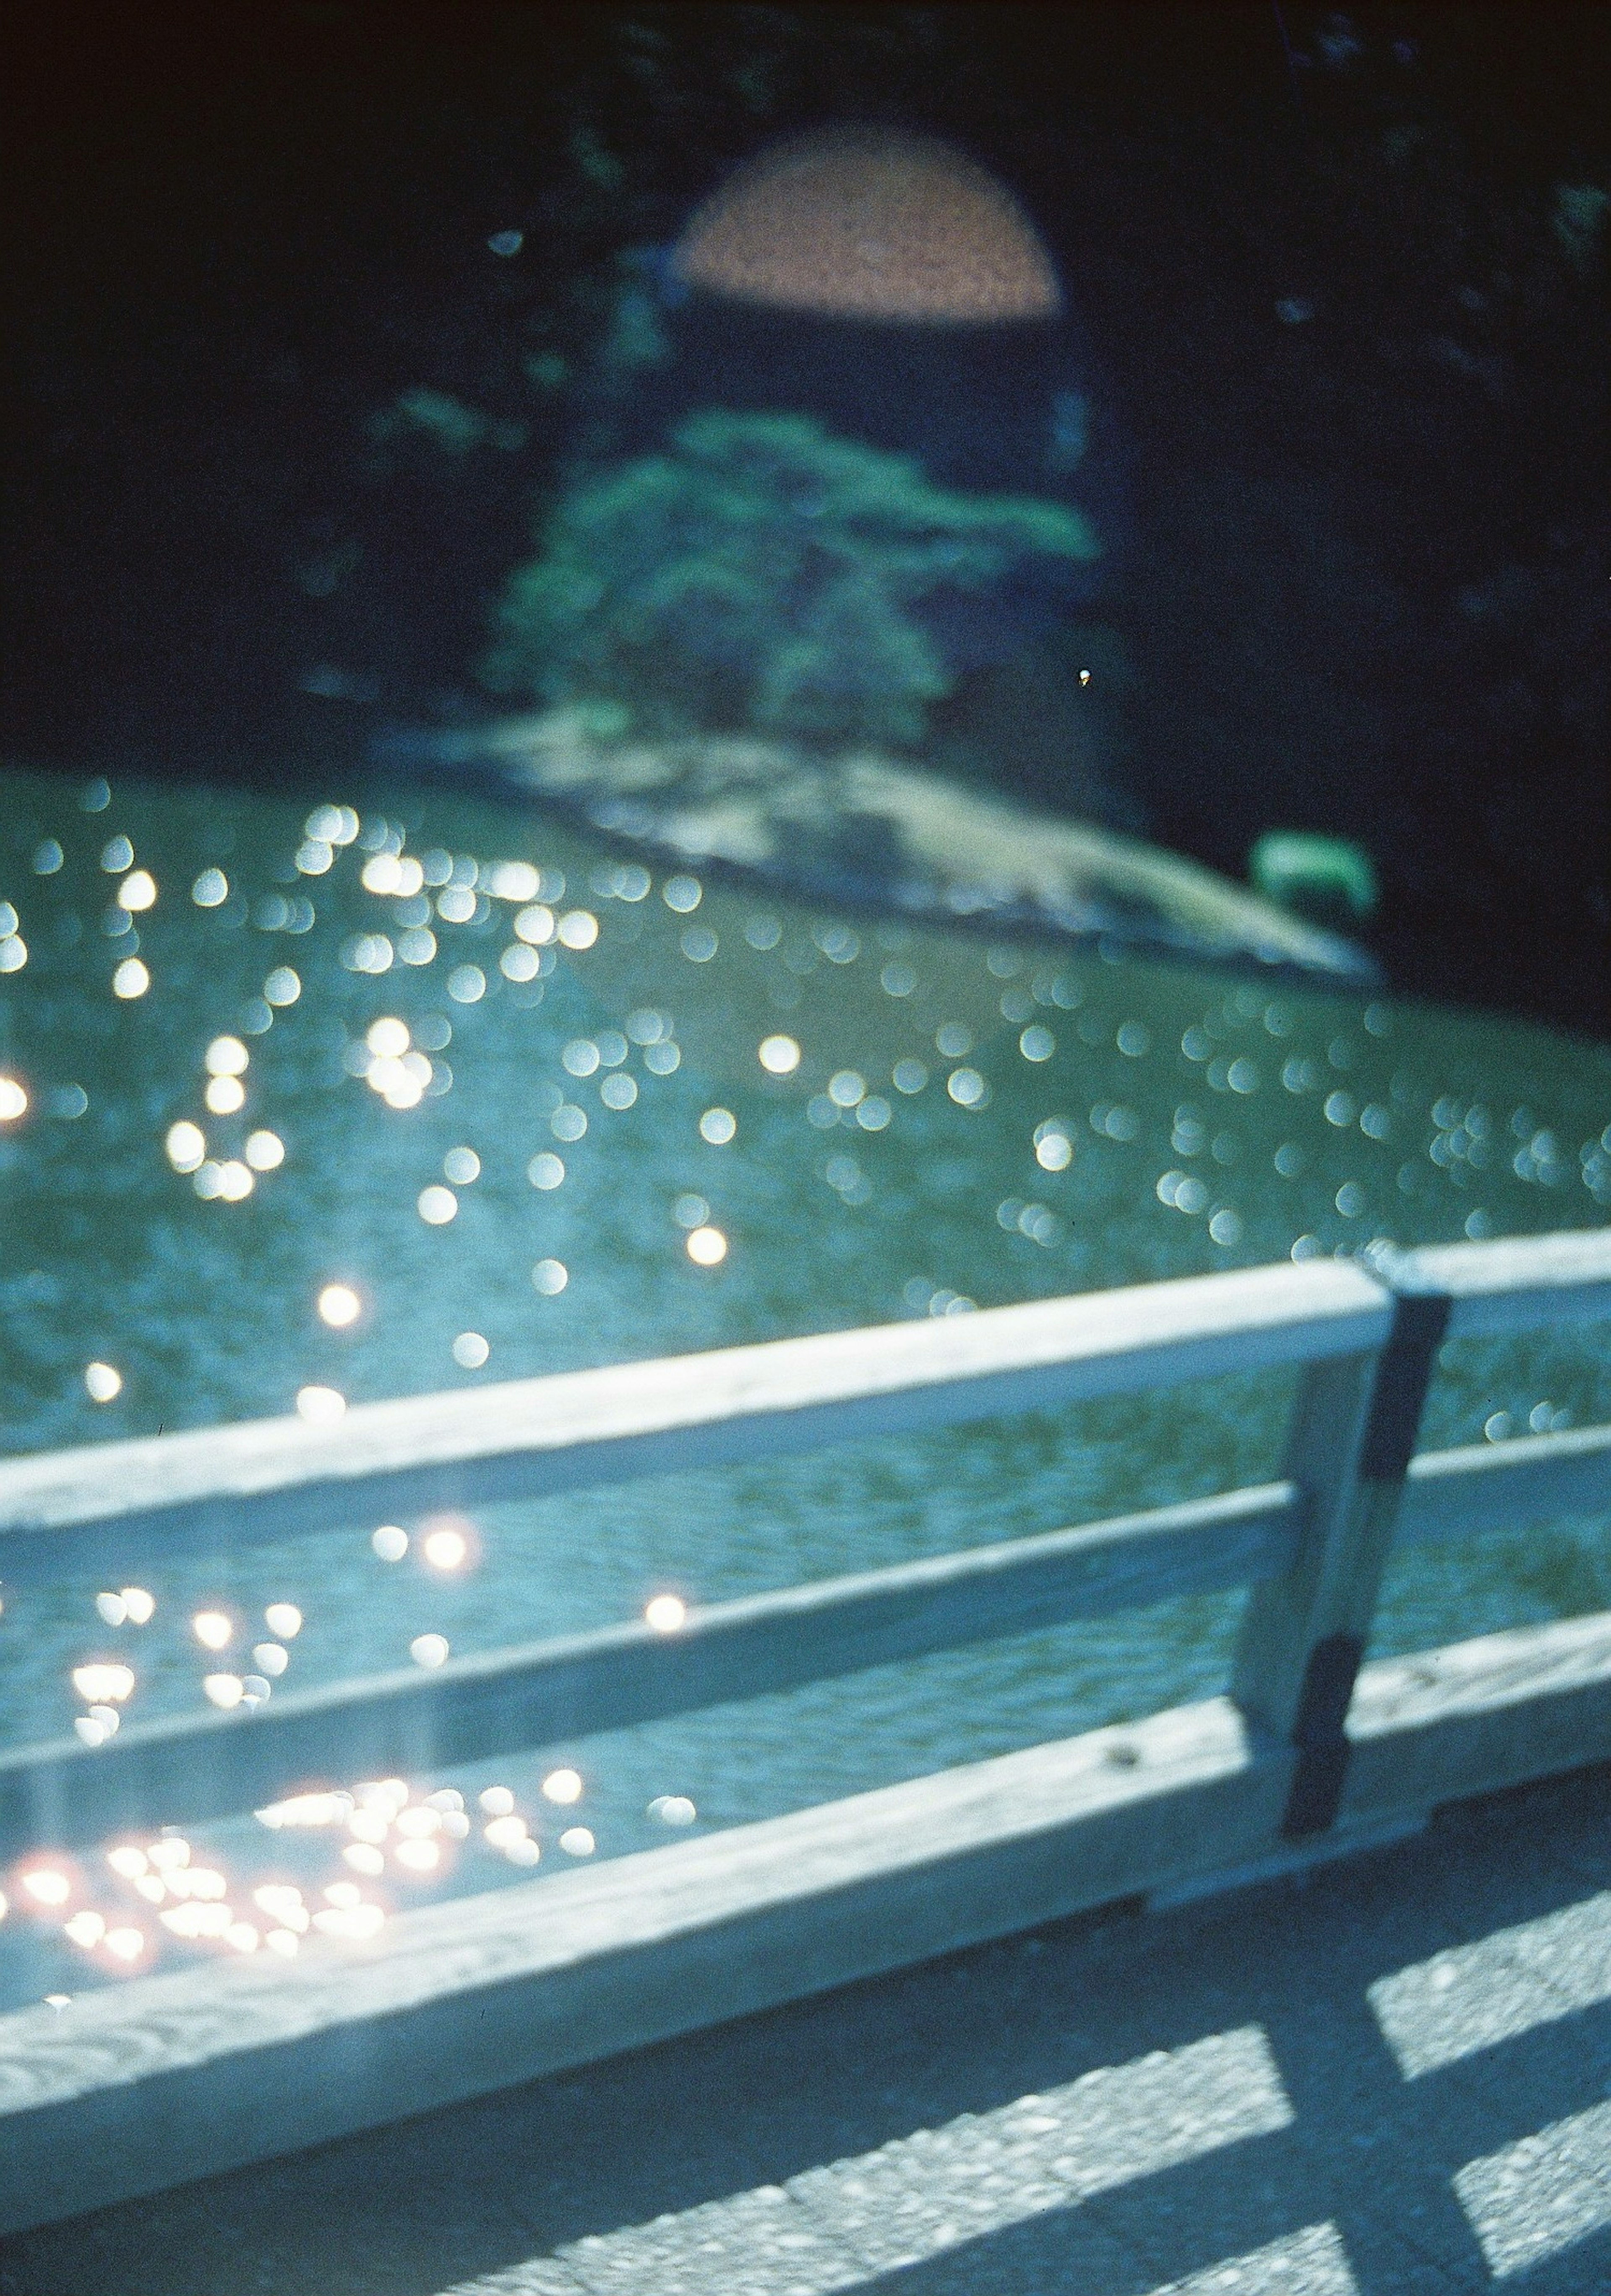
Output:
x=446 y=1549
x=96 y=1683
x=186 y=1146
x=313 y=1810
x=672 y=1810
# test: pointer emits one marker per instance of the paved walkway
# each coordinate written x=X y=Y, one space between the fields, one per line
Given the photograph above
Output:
x=1388 y=2080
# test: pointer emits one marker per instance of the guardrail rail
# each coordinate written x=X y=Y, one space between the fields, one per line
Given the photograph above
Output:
x=1310 y=1753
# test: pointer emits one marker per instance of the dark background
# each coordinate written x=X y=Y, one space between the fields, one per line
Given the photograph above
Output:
x=1352 y=341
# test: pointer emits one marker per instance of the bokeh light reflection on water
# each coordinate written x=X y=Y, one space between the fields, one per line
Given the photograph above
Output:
x=830 y=1122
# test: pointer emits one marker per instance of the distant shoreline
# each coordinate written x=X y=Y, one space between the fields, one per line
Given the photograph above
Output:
x=877 y=833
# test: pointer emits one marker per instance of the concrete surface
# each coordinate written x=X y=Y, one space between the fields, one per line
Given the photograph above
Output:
x=1388 y=2080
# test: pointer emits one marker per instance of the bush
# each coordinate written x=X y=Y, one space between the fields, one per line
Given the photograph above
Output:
x=761 y=575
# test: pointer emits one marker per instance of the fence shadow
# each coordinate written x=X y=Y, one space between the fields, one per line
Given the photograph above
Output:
x=1304 y=2151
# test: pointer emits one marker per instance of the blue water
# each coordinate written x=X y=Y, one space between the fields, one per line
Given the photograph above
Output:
x=1211 y=1119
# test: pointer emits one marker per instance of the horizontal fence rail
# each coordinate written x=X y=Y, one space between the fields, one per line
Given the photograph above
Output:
x=143 y=2085
x=218 y=1487
x=173 y=2077
x=1312 y=1752
x=1487 y=1486
x=559 y=1432
x=471 y=1709
x=1511 y=1283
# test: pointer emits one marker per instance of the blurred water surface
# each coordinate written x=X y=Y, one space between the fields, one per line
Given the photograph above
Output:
x=576 y=1075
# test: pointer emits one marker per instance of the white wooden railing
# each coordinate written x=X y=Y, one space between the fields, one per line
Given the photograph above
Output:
x=1312 y=1752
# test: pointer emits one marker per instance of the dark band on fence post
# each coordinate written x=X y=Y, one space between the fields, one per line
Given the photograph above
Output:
x=1420 y=1317
x=1419 y=1321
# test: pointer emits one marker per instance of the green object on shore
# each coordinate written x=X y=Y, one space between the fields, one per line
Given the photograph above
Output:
x=1329 y=879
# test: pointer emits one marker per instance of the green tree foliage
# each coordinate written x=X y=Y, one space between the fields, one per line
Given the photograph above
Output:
x=761 y=574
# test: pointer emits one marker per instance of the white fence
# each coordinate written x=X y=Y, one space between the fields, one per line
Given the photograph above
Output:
x=165 y=2077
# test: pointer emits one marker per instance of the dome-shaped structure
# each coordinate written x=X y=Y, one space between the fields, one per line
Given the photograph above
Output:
x=871 y=224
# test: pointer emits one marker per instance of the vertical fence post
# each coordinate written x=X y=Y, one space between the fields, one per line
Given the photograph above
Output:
x=1304 y=1635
